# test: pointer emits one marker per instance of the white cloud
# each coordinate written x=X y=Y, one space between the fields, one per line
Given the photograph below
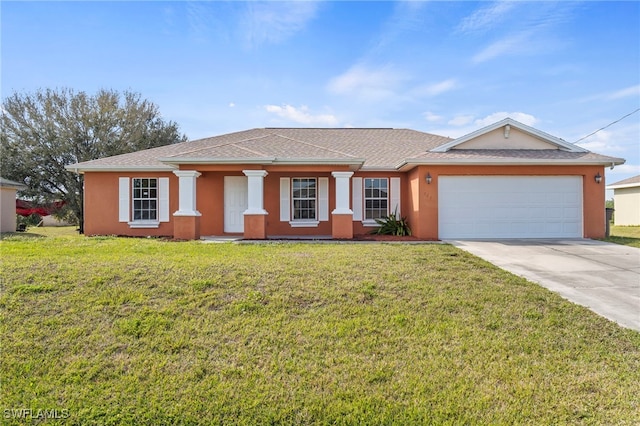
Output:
x=600 y=142
x=623 y=93
x=619 y=140
x=301 y=115
x=508 y=45
x=464 y=124
x=273 y=22
x=407 y=18
x=486 y=17
x=522 y=117
x=367 y=83
x=231 y=104
x=460 y=120
x=437 y=88
x=432 y=118
x=528 y=30
x=625 y=169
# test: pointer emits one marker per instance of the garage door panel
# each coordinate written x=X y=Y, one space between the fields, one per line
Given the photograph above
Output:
x=510 y=207
x=571 y=212
x=553 y=213
x=537 y=212
x=574 y=198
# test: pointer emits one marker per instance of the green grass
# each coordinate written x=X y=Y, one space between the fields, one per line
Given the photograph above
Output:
x=145 y=331
x=626 y=235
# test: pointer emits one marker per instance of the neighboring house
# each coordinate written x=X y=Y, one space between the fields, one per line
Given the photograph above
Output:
x=8 y=190
x=52 y=221
x=626 y=201
x=506 y=180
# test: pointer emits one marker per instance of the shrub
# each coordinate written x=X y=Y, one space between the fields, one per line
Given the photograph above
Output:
x=391 y=225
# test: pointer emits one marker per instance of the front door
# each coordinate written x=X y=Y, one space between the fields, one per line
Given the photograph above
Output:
x=235 y=203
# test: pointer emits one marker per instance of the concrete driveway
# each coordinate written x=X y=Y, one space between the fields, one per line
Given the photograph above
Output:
x=602 y=276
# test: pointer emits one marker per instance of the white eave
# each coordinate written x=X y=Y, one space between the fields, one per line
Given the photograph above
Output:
x=264 y=161
x=627 y=185
x=216 y=160
x=409 y=164
x=560 y=143
x=5 y=183
x=76 y=168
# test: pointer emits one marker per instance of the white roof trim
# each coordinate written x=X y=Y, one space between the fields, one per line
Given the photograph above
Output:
x=263 y=160
x=504 y=161
x=217 y=160
x=6 y=183
x=323 y=161
x=560 y=143
x=627 y=185
x=119 y=168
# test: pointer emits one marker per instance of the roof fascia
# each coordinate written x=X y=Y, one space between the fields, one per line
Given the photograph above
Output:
x=627 y=185
x=406 y=165
x=111 y=168
x=322 y=161
x=16 y=185
x=217 y=160
x=265 y=161
x=562 y=144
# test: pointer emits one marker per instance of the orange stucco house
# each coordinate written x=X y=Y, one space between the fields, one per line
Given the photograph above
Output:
x=506 y=180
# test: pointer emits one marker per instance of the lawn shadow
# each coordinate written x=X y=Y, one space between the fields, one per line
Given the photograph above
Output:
x=20 y=236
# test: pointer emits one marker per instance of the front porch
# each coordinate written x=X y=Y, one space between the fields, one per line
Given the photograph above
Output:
x=255 y=204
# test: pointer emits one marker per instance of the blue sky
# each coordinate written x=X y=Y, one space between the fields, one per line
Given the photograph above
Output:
x=567 y=68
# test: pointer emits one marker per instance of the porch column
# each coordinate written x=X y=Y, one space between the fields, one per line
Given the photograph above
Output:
x=342 y=215
x=186 y=221
x=255 y=217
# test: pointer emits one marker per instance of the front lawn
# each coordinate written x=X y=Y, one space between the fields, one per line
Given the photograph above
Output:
x=142 y=331
x=627 y=235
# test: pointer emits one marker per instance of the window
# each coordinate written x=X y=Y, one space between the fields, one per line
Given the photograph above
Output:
x=376 y=198
x=303 y=196
x=145 y=199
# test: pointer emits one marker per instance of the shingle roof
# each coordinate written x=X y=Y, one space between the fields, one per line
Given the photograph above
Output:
x=368 y=148
x=629 y=182
x=511 y=155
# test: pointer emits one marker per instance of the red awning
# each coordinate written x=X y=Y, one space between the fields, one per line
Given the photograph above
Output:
x=27 y=208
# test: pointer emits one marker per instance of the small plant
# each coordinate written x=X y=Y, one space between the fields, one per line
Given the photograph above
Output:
x=391 y=225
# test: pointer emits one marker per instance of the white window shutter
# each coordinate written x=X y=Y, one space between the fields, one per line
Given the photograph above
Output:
x=285 y=205
x=395 y=197
x=323 y=199
x=124 y=199
x=356 y=198
x=163 y=199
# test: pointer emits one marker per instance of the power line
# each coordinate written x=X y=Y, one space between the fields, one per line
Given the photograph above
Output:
x=608 y=125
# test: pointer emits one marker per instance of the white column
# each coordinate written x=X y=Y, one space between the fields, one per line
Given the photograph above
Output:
x=342 y=192
x=255 y=191
x=187 y=193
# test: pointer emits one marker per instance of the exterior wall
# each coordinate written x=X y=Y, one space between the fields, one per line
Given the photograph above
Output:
x=424 y=197
x=52 y=221
x=495 y=140
x=358 y=227
x=210 y=201
x=419 y=200
x=101 y=200
x=7 y=210
x=272 y=203
x=627 y=206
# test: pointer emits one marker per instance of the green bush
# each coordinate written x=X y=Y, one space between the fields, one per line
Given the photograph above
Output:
x=391 y=225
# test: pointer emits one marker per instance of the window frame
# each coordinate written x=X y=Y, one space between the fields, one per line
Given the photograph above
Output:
x=304 y=221
x=372 y=220
x=156 y=209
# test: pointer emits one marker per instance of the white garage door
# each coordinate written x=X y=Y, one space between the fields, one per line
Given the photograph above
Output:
x=509 y=207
